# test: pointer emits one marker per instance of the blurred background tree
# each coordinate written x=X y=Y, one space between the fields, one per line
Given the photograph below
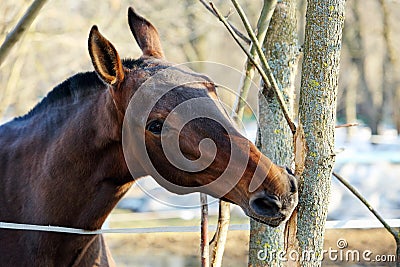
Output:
x=55 y=47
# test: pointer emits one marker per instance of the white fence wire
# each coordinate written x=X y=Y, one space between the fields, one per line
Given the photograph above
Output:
x=349 y=224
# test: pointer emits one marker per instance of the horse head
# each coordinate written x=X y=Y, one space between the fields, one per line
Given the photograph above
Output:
x=174 y=129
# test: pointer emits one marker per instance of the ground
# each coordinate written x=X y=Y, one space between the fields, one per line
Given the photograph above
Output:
x=182 y=249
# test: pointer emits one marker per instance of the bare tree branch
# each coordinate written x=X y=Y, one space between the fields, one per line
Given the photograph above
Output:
x=221 y=233
x=262 y=27
x=266 y=75
x=21 y=27
x=366 y=203
x=239 y=33
x=205 y=247
x=346 y=125
x=265 y=65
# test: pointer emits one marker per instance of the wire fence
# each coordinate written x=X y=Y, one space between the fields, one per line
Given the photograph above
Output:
x=347 y=224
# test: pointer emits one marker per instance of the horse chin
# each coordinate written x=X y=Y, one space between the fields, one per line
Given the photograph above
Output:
x=273 y=221
x=270 y=221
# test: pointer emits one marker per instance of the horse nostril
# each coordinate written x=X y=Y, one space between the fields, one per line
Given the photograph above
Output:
x=266 y=205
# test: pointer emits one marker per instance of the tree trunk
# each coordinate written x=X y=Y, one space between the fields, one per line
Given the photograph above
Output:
x=373 y=105
x=388 y=66
x=353 y=42
x=396 y=110
x=196 y=48
x=351 y=107
x=317 y=116
x=276 y=138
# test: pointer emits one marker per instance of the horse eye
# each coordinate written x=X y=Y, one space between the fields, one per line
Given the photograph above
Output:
x=155 y=126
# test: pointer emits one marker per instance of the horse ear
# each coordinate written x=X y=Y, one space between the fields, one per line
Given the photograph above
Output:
x=146 y=35
x=105 y=58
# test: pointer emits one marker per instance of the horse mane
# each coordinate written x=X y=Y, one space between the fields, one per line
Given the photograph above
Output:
x=75 y=87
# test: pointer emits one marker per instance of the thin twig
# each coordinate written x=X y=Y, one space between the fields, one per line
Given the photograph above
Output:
x=204 y=245
x=267 y=80
x=234 y=36
x=265 y=65
x=221 y=233
x=239 y=33
x=346 y=125
x=262 y=27
x=365 y=202
x=21 y=27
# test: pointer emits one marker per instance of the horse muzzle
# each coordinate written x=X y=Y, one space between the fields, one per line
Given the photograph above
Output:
x=272 y=209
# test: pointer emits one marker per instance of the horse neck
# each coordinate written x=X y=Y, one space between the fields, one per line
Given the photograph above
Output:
x=71 y=166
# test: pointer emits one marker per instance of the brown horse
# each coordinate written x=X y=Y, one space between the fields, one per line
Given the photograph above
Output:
x=66 y=163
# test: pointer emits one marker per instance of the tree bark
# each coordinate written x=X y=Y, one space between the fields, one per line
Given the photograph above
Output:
x=281 y=49
x=317 y=116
